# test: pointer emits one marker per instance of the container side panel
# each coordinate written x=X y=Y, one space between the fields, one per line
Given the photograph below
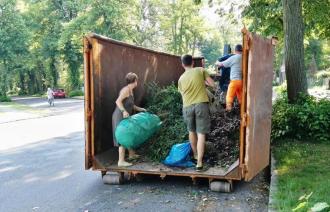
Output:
x=115 y=61
x=259 y=105
x=95 y=97
x=88 y=112
x=245 y=56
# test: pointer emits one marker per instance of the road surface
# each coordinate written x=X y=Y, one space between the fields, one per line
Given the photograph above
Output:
x=42 y=169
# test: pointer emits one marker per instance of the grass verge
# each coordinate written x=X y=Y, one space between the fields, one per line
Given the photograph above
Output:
x=17 y=106
x=13 y=106
x=303 y=168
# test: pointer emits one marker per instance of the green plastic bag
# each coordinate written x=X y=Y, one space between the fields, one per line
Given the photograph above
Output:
x=137 y=129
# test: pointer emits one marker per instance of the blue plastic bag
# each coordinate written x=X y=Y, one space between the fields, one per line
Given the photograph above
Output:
x=133 y=131
x=179 y=156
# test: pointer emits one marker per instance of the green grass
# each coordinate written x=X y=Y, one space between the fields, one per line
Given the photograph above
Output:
x=5 y=99
x=20 y=107
x=17 y=106
x=302 y=168
x=39 y=95
x=76 y=93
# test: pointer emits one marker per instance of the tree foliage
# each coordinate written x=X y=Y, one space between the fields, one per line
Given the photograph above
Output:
x=266 y=17
x=41 y=40
x=13 y=44
x=182 y=28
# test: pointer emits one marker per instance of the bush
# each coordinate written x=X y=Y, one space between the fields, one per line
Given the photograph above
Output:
x=320 y=76
x=5 y=99
x=76 y=93
x=323 y=74
x=308 y=119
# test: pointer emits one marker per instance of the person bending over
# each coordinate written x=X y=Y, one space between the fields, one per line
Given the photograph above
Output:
x=124 y=108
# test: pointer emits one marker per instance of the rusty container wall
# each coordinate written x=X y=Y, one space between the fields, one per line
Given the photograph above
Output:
x=112 y=61
x=258 y=104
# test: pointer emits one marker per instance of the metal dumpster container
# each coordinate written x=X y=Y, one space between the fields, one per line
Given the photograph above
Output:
x=107 y=61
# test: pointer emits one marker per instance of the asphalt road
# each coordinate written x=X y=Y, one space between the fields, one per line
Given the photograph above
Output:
x=42 y=169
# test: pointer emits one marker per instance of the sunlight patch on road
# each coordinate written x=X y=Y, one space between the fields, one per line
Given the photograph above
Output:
x=15 y=134
x=56 y=102
x=9 y=168
x=4 y=162
x=30 y=178
x=61 y=175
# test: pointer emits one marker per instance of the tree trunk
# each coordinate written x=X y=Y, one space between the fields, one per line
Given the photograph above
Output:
x=194 y=45
x=181 y=36
x=32 y=82
x=3 y=79
x=53 y=71
x=313 y=66
x=22 y=82
x=294 y=49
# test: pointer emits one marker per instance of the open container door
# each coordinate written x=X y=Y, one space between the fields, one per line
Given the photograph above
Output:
x=88 y=85
x=258 y=104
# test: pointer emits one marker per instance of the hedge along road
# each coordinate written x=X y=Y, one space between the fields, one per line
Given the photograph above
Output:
x=42 y=169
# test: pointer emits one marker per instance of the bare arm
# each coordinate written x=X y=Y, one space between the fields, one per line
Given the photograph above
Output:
x=124 y=93
x=139 y=109
x=219 y=64
x=210 y=82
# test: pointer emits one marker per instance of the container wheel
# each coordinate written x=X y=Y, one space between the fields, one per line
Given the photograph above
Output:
x=103 y=173
x=113 y=178
x=221 y=186
x=139 y=177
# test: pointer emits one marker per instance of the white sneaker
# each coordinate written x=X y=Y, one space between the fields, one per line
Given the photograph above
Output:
x=124 y=164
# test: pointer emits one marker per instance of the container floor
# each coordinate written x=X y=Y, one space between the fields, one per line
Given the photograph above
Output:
x=108 y=160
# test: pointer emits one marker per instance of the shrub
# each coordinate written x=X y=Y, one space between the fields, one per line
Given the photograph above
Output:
x=5 y=99
x=76 y=93
x=323 y=74
x=307 y=119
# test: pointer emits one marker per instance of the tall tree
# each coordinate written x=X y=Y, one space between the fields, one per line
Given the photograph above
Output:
x=182 y=26
x=294 y=48
x=111 y=18
x=13 y=39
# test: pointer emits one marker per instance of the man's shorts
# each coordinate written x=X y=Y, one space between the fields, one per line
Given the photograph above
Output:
x=197 y=117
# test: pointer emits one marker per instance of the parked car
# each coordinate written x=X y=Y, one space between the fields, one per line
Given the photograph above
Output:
x=59 y=93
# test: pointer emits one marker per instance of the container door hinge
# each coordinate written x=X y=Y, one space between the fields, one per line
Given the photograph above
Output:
x=244 y=120
x=244 y=169
x=90 y=160
x=89 y=114
x=88 y=46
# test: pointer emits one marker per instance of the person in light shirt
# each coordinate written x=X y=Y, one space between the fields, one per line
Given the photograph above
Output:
x=236 y=83
x=50 y=97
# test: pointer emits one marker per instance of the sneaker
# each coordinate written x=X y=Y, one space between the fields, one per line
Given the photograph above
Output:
x=134 y=157
x=199 y=168
x=124 y=164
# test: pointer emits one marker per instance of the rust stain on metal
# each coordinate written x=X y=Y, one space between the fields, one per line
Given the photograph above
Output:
x=87 y=71
x=245 y=56
x=259 y=105
x=113 y=60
